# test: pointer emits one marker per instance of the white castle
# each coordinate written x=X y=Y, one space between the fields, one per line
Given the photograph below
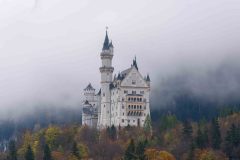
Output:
x=122 y=100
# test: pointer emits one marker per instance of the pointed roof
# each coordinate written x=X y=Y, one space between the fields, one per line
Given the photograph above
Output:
x=135 y=63
x=110 y=44
x=89 y=87
x=99 y=92
x=106 y=42
x=148 y=78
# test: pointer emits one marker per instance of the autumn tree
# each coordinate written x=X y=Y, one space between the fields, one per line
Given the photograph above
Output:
x=52 y=134
x=75 y=150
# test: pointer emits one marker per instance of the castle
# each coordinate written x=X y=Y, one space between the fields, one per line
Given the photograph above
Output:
x=122 y=100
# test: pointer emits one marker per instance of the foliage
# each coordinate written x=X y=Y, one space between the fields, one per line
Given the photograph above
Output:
x=12 y=155
x=148 y=125
x=47 y=153
x=216 y=134
x=75 y=150
x=130 y=151
x=187 y=130
x=154 y=154
x=52 y=134
x=29 y=154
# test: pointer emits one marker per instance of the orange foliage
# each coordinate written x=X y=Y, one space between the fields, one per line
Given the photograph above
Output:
x=154 y=154
x=58 y=155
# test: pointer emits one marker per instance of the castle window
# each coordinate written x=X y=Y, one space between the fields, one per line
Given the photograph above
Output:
x=123 y=99
x=134 y=106
x=133 y=121
x=123 y=113
x=125 y=91
x=133 y=82
x=128 y=99
x=122 y=106
x=122 y=120
x=128 y=106
x=133 y=92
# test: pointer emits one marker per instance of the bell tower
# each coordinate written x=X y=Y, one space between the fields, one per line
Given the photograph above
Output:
x=106 y=71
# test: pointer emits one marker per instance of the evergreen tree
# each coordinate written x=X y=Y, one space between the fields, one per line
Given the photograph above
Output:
x=29 y=153
x=113 y=133
x=75 y=150
x=187 y=130
x=233 y=136
x=47 y=153
x=12 y=154
x=215 y=134
x=148 y=125
x=130 y=151
x=200 y=138
x=140 y=148
x=191 y=151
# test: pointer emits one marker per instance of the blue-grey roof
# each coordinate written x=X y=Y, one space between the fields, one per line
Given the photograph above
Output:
x=89 y=87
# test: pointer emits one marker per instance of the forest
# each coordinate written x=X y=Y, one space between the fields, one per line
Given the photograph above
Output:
x=167 y=135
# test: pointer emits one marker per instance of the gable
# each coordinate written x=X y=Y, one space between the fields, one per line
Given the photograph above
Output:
x=134 y=79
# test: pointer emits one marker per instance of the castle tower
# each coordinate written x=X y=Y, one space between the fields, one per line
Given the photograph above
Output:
x=106 y=71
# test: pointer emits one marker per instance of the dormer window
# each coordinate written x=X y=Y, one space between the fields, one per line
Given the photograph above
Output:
x=133 y=82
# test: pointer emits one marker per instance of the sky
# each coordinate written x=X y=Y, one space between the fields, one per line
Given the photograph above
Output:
x=50 y=49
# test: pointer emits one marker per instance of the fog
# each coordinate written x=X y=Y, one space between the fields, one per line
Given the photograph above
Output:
x=50 y=49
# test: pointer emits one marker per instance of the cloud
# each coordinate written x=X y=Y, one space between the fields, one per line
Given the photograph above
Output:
x=50 y=51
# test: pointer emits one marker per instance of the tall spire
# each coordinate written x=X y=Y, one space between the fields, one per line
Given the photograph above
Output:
x=135 y=63
x=106 y=41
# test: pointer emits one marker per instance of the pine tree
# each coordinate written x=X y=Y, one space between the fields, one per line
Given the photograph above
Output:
x=29 y=153
x=215 y=134
x=130 y=151
x=47 y=153
x=148 y=125
x=113 y=133
x=187 y=130
x=140 y=148
x=191 y=151
x=200 y=138
x=205 y=137
x=233 y=136
x=75 y=150
x=12 y=155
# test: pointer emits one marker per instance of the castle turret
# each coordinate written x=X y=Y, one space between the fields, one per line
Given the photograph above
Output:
x=106 y=79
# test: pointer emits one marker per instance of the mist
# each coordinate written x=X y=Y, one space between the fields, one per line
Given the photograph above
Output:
x=50 y=50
